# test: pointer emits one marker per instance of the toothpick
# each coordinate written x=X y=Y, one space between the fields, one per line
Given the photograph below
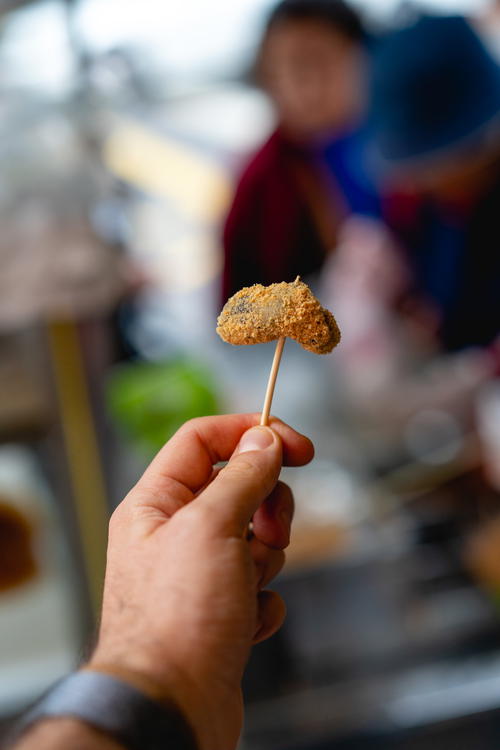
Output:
x=264 y=420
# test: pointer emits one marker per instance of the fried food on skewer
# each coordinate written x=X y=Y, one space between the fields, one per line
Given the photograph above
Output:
x=258 y=314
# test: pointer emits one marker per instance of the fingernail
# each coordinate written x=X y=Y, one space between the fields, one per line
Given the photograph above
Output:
x=256 y=439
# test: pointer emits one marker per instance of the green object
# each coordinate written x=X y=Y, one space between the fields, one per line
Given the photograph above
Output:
x=495 y=596
x=150 y=401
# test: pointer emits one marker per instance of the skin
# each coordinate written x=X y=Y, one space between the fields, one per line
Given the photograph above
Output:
x=459 y=177
x=61 y=734
x=315 y=77
x=184 y=594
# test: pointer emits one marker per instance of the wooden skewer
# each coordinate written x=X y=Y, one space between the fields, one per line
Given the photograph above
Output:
x=264 y=420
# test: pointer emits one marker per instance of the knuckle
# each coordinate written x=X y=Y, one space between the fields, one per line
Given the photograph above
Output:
x=241 y=468
x=285 y=488
x=189 y=425
x=193 y=424
x=283 y=496
x=288 y=498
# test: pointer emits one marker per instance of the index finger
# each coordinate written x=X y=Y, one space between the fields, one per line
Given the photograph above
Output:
x=184 y=464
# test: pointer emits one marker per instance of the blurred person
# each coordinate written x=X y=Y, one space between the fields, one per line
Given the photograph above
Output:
x=184 y=595
x=429 y=287
x=310 y=173
x=437 y=123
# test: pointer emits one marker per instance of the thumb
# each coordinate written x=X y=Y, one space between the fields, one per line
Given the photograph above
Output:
x=244 y=483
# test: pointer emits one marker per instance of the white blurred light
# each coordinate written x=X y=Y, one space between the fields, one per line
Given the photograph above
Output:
x=35 y=49
x=187 y=37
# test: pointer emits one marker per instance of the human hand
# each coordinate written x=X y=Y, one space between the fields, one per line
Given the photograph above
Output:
x=184 y=594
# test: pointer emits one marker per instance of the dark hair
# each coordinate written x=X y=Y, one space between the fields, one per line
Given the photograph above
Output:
x=336 y=13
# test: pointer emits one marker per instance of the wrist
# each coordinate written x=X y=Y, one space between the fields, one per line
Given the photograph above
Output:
x=114 y=708
x=61 y=733
x=170 y=689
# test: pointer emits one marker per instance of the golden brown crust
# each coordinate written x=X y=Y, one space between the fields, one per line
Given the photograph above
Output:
x=257 y=314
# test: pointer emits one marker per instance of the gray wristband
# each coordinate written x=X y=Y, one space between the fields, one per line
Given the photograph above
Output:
x=116 y=708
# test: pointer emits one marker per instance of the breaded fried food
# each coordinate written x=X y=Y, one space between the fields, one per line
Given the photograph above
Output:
x=257 y=314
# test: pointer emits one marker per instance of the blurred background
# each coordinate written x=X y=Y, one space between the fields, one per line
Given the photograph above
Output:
x=155 y=158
